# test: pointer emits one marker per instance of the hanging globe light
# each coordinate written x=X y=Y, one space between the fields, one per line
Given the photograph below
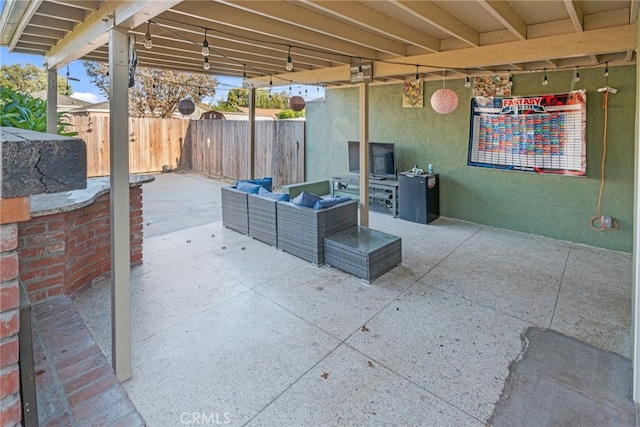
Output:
x=444 y=101
x=296 y=103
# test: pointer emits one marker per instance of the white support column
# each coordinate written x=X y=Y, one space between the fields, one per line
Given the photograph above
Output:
x=120 y=238
x=52 y=100
x=252 y=133
x=364 y=154
x=635 y=318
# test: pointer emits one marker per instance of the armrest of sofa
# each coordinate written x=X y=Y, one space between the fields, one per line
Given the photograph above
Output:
x=235 y=209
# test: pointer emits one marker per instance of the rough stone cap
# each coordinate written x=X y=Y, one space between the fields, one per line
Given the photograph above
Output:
x=37 y=162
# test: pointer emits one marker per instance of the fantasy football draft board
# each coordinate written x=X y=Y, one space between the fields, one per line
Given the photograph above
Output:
x=542 y=134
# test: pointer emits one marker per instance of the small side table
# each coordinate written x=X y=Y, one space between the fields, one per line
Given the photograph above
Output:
x=363 y=252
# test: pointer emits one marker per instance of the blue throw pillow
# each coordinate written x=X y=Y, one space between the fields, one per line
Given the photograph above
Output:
x=306 y=199
x=327 y=203
x=281 y=197
x=247 y=187
x=266 y=182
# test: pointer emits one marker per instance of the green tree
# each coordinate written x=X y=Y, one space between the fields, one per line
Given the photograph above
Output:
x=156 y=92
x=28 y=79
x=223 y=106
x=264 y=98
x=20 y=110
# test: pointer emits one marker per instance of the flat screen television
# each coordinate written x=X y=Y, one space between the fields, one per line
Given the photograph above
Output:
x=382 y=163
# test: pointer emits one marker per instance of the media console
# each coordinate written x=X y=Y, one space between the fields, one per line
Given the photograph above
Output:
x=380 y=189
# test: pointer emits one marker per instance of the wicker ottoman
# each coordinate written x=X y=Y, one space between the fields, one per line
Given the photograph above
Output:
x=363 y=252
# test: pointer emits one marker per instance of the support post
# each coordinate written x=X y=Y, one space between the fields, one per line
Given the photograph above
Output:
x=120 y=237
x=364 y=154
x=52 y=100
x=635 y=318
x=252 y=133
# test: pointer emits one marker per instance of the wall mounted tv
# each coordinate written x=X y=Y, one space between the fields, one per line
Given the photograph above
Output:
x=382 y=159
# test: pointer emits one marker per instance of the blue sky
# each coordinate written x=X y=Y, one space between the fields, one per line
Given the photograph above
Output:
x=85 y=90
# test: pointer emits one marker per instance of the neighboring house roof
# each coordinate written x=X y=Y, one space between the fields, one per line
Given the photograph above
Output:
x=103 y=107
x=65 y=102
x=269 y=112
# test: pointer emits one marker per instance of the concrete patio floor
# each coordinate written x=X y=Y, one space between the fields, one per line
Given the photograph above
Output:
x=228 y=329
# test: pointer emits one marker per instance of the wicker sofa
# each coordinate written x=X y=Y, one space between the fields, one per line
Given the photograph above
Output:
x=301 y=230
x=297 y=230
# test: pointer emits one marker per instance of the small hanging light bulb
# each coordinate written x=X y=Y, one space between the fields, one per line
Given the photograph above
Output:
x=510 y=79
x=577 y=77
x=199 y=92
x=147 y=37
x=205 y=45
x=360 y=72
x=606 y=69
x=206 y=65
x=545 y=81
x=289 y=66
x=467 y=80
x=416 y=80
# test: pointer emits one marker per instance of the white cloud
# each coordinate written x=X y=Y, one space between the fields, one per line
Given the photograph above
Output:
x=85 y=96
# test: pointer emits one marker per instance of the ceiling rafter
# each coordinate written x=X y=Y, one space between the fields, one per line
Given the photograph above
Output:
x=359 y=14
x=500 y=10
x=441 y=19
x=292 y=14
x=577 y=19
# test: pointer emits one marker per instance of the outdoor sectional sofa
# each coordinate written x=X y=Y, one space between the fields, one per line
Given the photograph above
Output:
x=297 y=230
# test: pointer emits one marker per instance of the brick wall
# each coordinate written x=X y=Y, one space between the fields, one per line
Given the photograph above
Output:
x=67 y=252
x=11 y=212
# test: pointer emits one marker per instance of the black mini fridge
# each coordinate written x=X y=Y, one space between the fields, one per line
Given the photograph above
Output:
x=419 y=197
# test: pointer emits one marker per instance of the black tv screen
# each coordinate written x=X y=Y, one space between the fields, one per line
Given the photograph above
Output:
x=381 y=159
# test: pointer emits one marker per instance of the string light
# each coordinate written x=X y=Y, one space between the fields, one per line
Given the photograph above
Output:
x=510 y=78
x=545 y=81
x=606 y=69
x=147 y=37
x=467 y=80
x=417 y=79
x=205 y=45
x=577 y=77
x=289 y=66
x=206 y=65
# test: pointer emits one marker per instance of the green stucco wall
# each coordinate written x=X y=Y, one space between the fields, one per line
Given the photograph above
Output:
x=555 y=206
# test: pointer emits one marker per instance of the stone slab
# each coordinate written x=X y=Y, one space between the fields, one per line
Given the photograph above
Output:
x=37 y=162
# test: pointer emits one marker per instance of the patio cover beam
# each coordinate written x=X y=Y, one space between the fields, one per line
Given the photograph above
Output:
x=593 y=42
x=635 y=300
x=93 y=32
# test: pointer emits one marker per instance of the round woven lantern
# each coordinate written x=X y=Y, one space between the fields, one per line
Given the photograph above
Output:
x=444 y=101
x=186 y=106
x=296 y=103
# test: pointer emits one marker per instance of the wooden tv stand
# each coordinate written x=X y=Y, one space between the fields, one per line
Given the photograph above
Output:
x=385 y=189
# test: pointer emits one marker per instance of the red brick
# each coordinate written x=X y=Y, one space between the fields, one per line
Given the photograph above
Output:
x=92 y=390
x=56 y=222
x=45 y=239
x=8 y=266
x=8 y=237
x=90 y=377
x=56 y=247
x=29 y=276
x=45 y=283
x=46 y=261
x=98 y=404
x=13 y=210
x=10 y=382
x=37 y=296
x=78 y=357
x=32 y=227
x=9 y=352
x=9 y=323
x=30 y=252
x=10 y=411
x=54 y=292
x=9 y=295
x=56 y=270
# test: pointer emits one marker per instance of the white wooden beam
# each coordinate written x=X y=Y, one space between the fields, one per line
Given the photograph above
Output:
x=92 y=33
x=119 y=191
x=572 y=45
x=500 y=10
x=441 y=19
x=292 y=14
x=361 y=15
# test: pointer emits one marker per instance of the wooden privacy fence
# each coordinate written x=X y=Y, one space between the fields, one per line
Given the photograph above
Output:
x=221 y=148
x=216 y=148
x=153 y=143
